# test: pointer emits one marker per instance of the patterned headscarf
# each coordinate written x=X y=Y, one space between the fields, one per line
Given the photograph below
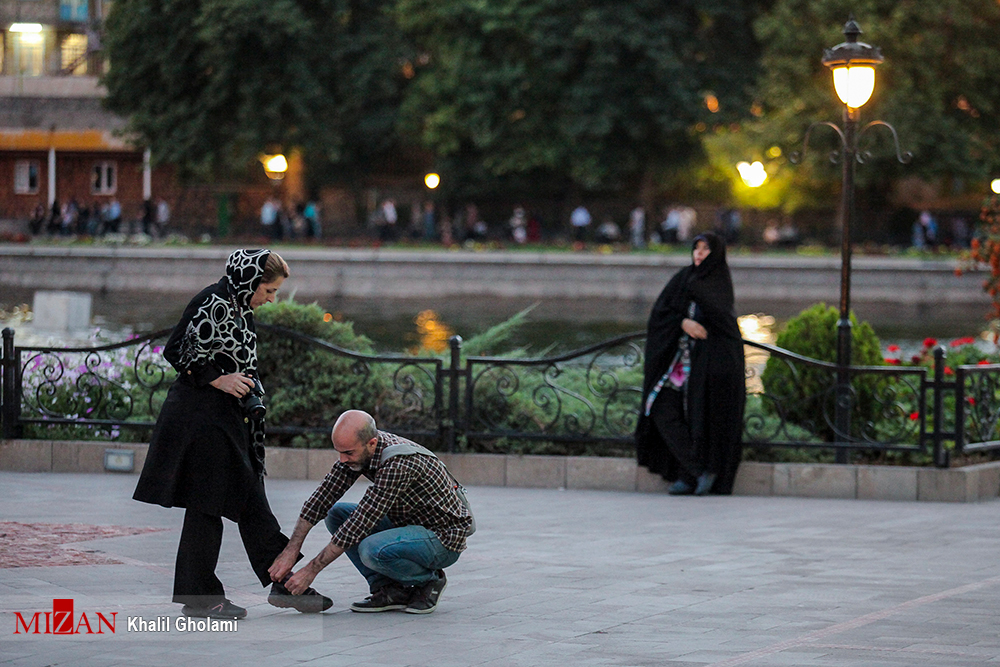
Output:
x=244 y=270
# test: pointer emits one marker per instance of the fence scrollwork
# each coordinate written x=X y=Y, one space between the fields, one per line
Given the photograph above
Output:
x=589 y=396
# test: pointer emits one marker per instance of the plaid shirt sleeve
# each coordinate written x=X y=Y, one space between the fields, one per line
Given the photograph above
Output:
x=334 y=486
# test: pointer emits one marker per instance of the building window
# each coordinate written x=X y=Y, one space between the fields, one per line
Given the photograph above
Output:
x=74 y=54
x=104 y=178
x=73 y=10
x=28 y=53
x=26 y=177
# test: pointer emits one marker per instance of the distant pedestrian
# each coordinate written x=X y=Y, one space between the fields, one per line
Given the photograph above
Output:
x=269 y=219
x=580 y=220
x=162 y=217
x=637 y=227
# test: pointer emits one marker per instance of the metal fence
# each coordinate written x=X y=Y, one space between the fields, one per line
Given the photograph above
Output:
x=586 y=400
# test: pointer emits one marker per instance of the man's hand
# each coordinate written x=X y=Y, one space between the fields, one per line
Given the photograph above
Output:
x=283 y=564
x=236 y=384
x=693 y=329
x=301 y=580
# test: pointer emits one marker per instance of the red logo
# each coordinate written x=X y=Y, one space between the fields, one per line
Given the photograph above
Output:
x=60 y=621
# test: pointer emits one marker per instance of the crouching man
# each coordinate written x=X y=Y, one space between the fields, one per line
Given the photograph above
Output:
x=411 y=523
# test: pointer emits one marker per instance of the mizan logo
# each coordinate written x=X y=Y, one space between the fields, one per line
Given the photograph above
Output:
x=59 y=621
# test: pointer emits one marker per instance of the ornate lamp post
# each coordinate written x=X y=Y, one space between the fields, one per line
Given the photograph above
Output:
x=853 y=66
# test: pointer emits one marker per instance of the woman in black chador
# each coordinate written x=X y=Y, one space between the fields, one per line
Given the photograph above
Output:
x=207 y=450
x=691 y=418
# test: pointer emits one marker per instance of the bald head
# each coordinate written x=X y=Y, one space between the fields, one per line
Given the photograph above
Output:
x=354 y=437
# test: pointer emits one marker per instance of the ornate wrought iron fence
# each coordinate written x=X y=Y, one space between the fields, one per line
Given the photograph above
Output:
x=977 y=408
x=587 y=397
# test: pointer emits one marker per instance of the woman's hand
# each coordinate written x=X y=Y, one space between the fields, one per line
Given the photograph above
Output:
x=693 y=329
x=236 y=384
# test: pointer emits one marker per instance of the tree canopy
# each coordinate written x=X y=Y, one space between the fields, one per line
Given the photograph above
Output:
x=592 y=92
x=937 y=87
x=583 y=95
x=212 y=84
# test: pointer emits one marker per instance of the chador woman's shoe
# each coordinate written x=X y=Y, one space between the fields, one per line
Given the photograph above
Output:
x=705 y=482
x=680 y=488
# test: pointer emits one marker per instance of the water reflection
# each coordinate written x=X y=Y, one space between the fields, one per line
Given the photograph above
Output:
x=760 y=329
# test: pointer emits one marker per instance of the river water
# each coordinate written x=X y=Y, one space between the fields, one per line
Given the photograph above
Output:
x=406 y=325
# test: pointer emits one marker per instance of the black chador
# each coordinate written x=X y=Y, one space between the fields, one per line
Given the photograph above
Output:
x=691 y=419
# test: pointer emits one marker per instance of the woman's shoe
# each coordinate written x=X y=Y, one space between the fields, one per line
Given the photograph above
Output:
x=705 y=483
x=680 y=488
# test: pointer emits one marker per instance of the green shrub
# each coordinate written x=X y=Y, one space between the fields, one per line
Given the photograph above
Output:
x=306 y=385
x=805 y=394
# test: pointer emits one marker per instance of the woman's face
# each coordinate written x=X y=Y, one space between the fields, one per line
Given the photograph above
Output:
x=700 y=252
x=265 y=293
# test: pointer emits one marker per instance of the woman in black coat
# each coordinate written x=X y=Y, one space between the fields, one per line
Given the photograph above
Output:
x=691 y=418
x=207 y=450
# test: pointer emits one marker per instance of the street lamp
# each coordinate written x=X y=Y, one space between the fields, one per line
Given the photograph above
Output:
x=753 y=175
x=853 y=65
x=275 y=166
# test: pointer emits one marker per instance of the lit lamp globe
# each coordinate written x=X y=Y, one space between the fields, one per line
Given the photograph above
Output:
x=853 y=64
x=432 y=180
x=753 y=175
x=275 y=166
x=995 y=186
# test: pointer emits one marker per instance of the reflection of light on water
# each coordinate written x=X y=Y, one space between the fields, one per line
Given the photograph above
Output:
x=432 y=333
x=757 y=328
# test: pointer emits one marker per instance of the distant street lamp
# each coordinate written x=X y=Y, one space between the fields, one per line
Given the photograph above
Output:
x=995 y=186
x=275 y=166
x=853 y=65
x=753 y=175
x=432 y=180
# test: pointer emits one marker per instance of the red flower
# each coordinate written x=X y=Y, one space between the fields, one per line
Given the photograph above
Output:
x=948 y=371
x=914 y=416
x=930 y=342
x=970 y=400
x=891 y=362
x=983 y=362
x=959 y=342
x=893 y=348
x=915 y=359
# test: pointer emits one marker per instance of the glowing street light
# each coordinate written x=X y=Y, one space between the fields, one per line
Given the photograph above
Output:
x=432 y=180
x=995 y=186
x=753 y=175
x=275 y=166
x=853 y=65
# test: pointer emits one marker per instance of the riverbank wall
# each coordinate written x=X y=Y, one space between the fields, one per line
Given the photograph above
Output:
x=572 y=285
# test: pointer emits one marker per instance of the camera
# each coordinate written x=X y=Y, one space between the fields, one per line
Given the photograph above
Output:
x=253 y=404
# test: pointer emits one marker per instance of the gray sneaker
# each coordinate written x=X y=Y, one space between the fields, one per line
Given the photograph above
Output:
x=425 y=598
x=387 y=598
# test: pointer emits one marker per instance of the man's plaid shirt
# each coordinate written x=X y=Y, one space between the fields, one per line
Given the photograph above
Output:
x=413 y=490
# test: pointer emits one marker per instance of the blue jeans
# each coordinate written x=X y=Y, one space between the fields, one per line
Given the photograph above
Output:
x=408 y=555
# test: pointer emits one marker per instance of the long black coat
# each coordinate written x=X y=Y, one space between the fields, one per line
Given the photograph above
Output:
x=716 y=390
x=205 y=453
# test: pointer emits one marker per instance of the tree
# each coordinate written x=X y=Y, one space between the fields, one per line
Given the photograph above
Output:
x=594 y=94
x=937 y=86
x=209 y=85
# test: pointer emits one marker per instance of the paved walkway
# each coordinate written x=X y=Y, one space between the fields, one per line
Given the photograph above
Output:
x=552 y=578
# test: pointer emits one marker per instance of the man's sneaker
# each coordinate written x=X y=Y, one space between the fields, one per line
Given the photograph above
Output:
x=387 y=598
x=425 y=598
x=309 y=601
x=224 y=609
